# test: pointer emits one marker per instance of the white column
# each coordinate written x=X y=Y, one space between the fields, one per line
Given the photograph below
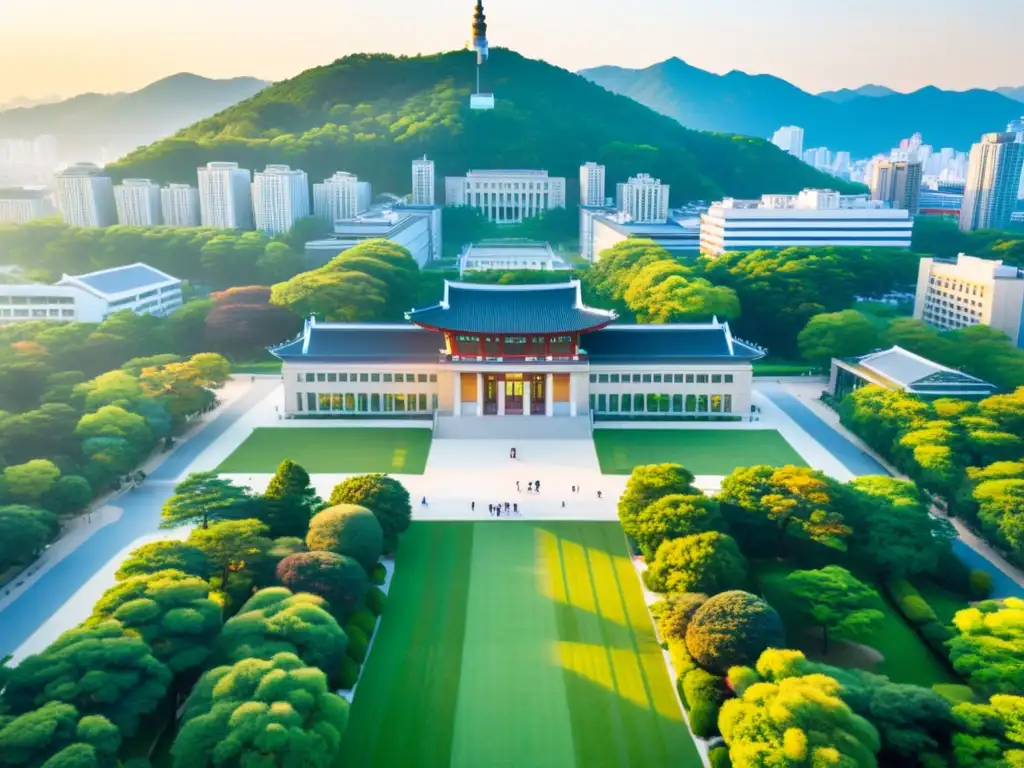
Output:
x=501 y=398
x=479 y=394
x=526 y=396
x=572 y=394
x=457 y=394
x=549 y=396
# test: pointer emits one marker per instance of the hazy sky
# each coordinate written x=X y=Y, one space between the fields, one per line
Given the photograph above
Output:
x=72 y=46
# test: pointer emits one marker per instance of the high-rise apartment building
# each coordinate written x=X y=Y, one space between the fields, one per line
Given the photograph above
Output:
x=422 y=181
x=280 y=197
x=179 y=204
x=643 y=199
x=993 y=180
x=225 y=196
x=506 y=196
x=898 y=183
x=790 y=138
x=21 y=204
x=85 y=196
x=337 y=198
x=592 y=184
x=138 y=203
x=1017 y=127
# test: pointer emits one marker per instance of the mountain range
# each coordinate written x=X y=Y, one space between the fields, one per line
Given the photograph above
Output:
x=94 y=125
x=864 y=122
x=373 y=114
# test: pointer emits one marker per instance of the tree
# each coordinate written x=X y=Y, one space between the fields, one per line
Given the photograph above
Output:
x=990 y=734
x=278 y=263
x=989 y=648
x=705 y=562
x=99 y=669
x=340 y=580
x=674 y=613
x=56 y=735
x=384 y=496
x=261 y=712
x=166 y=555
x=289 y=501
x=232 y=545
x=111 y=388
x=69 y=494
x=24 y=531
x=205 y=496
x=347 y=529
x=114 y=421
x=170 y=610
x=338 y=296
x=646 y=485
x=673 y=516
x=733 y=629
x=1001 y=509
x=837 y=334
x=245 y=330
x=844 y=607
x=32 y=480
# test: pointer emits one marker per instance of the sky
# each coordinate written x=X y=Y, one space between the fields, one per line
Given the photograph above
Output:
x=65 y=47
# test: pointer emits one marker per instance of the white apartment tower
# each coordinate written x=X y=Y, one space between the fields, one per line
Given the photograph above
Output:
x=790 y=138
x=506 y=196
x=422 y=181
x=225 y=196
x=180 y=205
x=21 y=204
x=993 y=180
x=337 y=198
x=280 y=197
x=643 y=199
x=85 y=196
x=592 y=184
x=138 y=203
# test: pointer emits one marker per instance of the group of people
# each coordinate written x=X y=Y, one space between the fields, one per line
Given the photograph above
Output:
x=531 y=487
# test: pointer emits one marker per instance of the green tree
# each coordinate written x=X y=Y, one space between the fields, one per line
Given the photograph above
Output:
x=674 y=613
x=990 y=733
x=340 y=580
x=278 y=263
x=674 y=516
x=68 y=495
x=232 y=545
x=289 y=501
x=704 y=562
x=32 y=480
x=837 y=334
x=386 y=497
x=347 y=529
x=24 y=531
x=646 y=485
x=831 y=597
x=733 y=629
x=989 y=649
x=205 y=496
x=163 y=556
x=339 y=296
x=56 y=735
x=114 y=421
x=1001 y=510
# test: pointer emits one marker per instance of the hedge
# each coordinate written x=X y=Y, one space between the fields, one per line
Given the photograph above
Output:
x=910 y=603
x=682 y=661
x=981 y=584
x=936 y=634
x=719 y=758
x=348 y=674
x=364 y=620
x=358 y=645
x=704 y=694
x=375 y=601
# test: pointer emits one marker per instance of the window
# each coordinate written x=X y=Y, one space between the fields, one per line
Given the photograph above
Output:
x=689 y=378
x=343 y=377
x=677 y=403
x=375 y=403
x=728 y=404
x=361 y=402
x=627 y=402
x=332 y=377
x=593 y=401
x=614 y=378
x=728 y=378
x=691 y=403
x=325 y=401
x=422 y=397
x=321 y=377
x=375 y=377
x=647 y=378
x=657 y=378
x=311 y=401
x=678 y=378
x=602 y=378
x=399 y=402
x=310 y=377
x=336 y=402
x=387 y=377
x=716 y=403
x=636 y=378
x=638 y=403
x=298 y=401
x=716 y=378
x=433 y=402
x=602 y=403
x=298 y=377
x=433 y=378
x=399 y=378
x=389 y=403
x=363 y=377
x=702 y=403
x=613 y=403
x=702 y=378
x=421 y=378
x=593 y=378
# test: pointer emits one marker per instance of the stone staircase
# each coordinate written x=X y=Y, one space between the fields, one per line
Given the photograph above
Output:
x=512 y=428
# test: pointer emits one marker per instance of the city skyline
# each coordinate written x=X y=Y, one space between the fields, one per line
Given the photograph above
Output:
x=112 y=45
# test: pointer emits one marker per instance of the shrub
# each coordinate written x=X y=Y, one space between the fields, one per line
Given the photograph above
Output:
x=364 y=620
x=340 y=580
x=719 y=758
x=704 y=694
x=980 y=584
x=375 y=600
x=705 y=562
x=682 y=661
x=954 y=694
x=378 y=574
x=910 y=603
x=384 y=496
x=936 y=635
x=347 y=529
x=672 y=517
x=675 y=612
x=732 y=629
x=358 y=644
x=741 y=678
x=348 y=674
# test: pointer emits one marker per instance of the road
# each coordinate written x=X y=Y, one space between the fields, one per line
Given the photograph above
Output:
x=860 y=463
x=21 y=618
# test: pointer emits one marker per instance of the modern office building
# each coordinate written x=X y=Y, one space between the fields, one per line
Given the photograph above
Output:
x=506 y=196
x=225 y=196
x=138 y=203
x=337 y=198
x=508 y=255
x=815 y=217
x=524 y=351
x=899 y=369
x=85 y=196
x=280 y=197
x=790 y=138
x=92 y=297
x=993 y=180
x=601 y=228
x=180 y=205
x=414 y=227
x=592 y=184
x=898 y=183
x=643 y=199
x=422 y=181
x=971 y=291
x=21 y=204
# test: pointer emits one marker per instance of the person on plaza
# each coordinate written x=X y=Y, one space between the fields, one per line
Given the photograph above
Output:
x=506 y=507
x=514 y=454
x=599 y=494
x=423 y=501
x=529 y=486
x=574 y=489
x=536 y=485
x=515 y=508
x=472 y=506
x=497 y=510
x=517 y=486
x=563 y=503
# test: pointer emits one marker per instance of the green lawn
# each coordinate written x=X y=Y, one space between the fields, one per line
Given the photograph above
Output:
x=906 y=658
x=943 y=602
x=332 y=450
x=516 y=644
x=702 y=451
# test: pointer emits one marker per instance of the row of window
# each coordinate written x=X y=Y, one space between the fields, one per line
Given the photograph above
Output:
x=36 y=300
x=959 y=287
x=398 y=378
x=659 y=378
x=362 y=402
x=37 y=313
x=654 y=403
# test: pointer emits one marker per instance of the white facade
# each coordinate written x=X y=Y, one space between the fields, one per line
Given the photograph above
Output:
x=138 y=203
x=85 y=197
x=993 y=181
x=790 y=138
x=506 y=196
x=971 y=291
x=337 y=198
x=416 y=228
x=643 y=199
x=422 y=181
x=815 y=217
x=592 y=184
x=280 y=197
x=180 y=205
x=225 y=196
x=506 y=256
x=18 y=205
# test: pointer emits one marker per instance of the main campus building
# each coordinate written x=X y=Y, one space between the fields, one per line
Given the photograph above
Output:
x=500 y=351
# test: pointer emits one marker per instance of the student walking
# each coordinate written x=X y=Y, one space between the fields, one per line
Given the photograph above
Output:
x=506 y=507
x=536 y=485
x=515 y=508
x=472 y=506
x=423 y=501
x=574 y=489
x=599 y=494
x=518 y=490
x=529 y=486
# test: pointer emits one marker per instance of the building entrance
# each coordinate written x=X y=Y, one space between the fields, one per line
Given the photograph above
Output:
x=491 y=383
x=514 y=393
x=538 y=395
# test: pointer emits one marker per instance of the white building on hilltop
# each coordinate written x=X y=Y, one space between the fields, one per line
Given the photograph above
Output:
x=414 y=227
x=790 y=138
x=506 y=255
x=138 y=203
x=342 y=196
x=643 y=199
x=280 y=197
x=225 y=196
x=85 y=196
x=21 y=204
x=422 y=181
x=815 y=217
x=506 y=196
x=592 y=184
x=180 y=205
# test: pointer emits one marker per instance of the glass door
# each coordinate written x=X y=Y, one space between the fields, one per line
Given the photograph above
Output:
x=490 y=394
x=514 y=393
x=538 y=394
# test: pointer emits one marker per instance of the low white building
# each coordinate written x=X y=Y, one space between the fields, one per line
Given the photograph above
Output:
x=601 y=228
x=90 y=298
x=815 y=217
x=21 y=204
x=414 y=227
x=506 y=196
x=138 y=203
x=510 y=255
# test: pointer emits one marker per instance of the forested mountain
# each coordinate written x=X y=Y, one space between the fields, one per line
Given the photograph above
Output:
x=756 y=105
x=1017 y=94
x=846 y=94
x=372 y=114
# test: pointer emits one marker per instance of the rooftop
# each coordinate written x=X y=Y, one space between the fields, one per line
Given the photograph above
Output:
x=133 y=277
x=362 y=342
x=917 y=374
x=23 y=193
x=664 y=343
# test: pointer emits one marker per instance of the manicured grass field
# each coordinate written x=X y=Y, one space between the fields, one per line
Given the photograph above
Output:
x=702 y=451
x=332 y=449
x=516 y=644
x=906 y=658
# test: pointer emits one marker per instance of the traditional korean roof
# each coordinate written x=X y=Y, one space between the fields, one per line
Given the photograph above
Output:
x=665 y=343
x=362 y=343
x=511 y=309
